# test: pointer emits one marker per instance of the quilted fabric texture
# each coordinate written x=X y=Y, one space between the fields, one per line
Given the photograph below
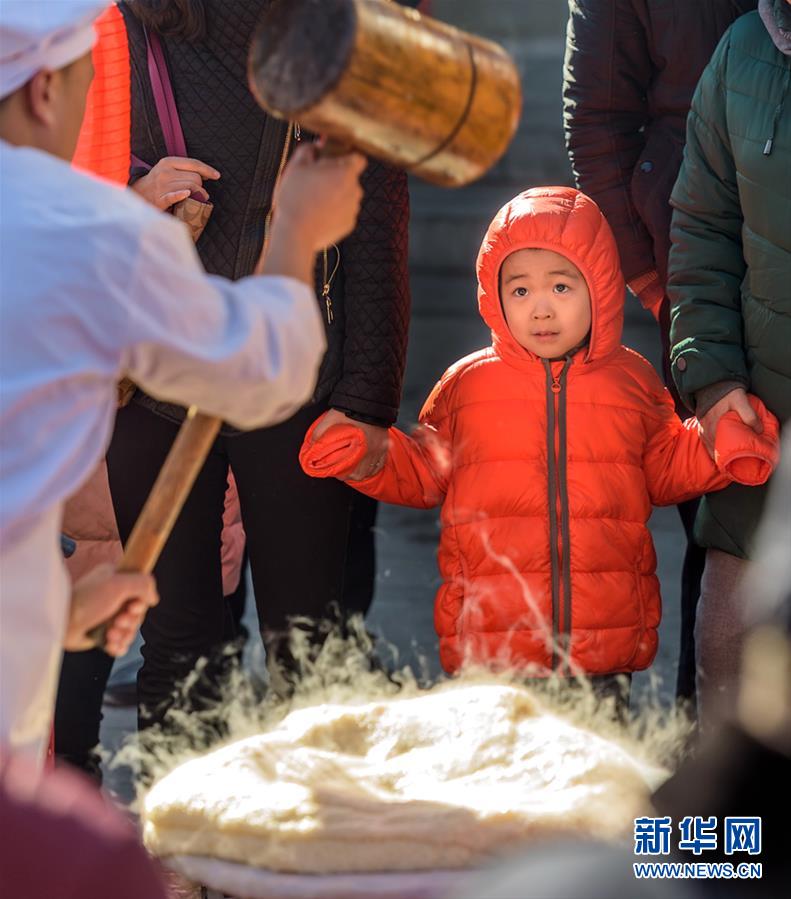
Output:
x=223 y=126
x=732 y=244
x=546 y=471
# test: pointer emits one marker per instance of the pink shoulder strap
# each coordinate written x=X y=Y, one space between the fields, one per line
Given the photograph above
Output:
x=163 y=96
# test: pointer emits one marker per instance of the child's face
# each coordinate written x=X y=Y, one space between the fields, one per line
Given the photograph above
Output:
x=546 y=302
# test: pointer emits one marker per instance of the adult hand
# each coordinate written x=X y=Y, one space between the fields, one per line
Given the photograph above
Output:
x=376 y=441
x=735 y=401
x=318 y=198
x=173 y=179
x=649 y=290
x=105 y=595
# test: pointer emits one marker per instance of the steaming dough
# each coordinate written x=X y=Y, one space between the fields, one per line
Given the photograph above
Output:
x=442 y=780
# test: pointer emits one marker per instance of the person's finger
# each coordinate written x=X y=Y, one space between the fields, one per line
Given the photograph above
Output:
x=126 y=620
x=746 y=412
x=116 y=645
x=196 y=188
x=135 y=607
x=305 y=154
x=186 y=164
x=170 y=199
x=351 y=165
x=121 y=633
x=136 y=587
x=122 y=623
x=122 y=628
x=182 y=182
x=356 y=162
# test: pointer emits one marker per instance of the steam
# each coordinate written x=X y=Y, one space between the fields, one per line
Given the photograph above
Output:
x=346 y=666
x=341 y=672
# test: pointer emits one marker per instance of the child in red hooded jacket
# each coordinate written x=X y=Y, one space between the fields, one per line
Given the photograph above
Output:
x=547 y=451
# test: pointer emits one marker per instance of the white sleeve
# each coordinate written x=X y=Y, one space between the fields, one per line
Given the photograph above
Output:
x=247 y=351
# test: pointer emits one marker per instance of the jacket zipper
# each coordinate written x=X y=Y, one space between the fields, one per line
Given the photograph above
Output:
x=559 y=540
x=294 y=133
x=327 y=279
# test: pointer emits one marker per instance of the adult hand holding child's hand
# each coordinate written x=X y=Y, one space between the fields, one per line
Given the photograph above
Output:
x=745 y=452
x=336 y=446
x=735 y=401
x=375 y=442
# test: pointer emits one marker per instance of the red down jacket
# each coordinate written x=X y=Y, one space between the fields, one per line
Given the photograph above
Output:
x=547 y=471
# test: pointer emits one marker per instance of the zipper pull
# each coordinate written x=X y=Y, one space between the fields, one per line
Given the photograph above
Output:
x=325 y=292
x=297 y=132
x=555 y=385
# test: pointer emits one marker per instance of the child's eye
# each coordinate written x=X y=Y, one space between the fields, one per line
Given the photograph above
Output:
x=520 y=292
x=561 y=288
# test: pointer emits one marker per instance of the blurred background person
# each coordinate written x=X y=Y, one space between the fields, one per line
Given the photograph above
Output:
x=235 y=153
x=731 y=304
x=626 y=94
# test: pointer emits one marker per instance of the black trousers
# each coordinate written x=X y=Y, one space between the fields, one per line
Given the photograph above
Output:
x=300 y=539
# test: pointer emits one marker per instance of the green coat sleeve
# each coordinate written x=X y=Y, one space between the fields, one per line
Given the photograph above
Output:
x=706 y=259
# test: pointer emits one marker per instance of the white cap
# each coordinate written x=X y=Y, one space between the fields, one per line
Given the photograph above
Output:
x=43 y=34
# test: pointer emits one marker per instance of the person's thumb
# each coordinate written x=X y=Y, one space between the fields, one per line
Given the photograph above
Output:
x=746 y=412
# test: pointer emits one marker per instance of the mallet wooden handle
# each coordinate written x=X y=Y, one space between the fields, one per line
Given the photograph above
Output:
x=332 y=148
x=167 y=497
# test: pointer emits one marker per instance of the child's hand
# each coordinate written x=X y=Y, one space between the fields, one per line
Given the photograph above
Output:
x=744 y=453
x=375 y=442
x=735 y=401
x=173 y=179
x=337 y=447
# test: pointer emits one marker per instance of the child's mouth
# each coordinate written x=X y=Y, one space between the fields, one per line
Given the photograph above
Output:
x=545 y=335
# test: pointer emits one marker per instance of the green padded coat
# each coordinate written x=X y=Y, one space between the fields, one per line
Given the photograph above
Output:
x=730 y=262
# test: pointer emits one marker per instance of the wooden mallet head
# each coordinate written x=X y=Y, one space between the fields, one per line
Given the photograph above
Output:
x=389 y=82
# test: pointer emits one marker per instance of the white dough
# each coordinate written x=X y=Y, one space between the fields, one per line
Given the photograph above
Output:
x=445 y=779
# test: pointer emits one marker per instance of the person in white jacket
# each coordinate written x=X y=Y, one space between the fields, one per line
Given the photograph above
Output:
x=94 y=284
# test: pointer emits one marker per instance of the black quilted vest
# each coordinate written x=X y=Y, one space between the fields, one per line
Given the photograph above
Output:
x=368 y=318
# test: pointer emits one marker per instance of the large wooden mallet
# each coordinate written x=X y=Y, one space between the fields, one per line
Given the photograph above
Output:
x=394 y=84
x=379 y=78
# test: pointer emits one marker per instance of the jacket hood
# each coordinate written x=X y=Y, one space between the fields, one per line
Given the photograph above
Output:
x=564 y=220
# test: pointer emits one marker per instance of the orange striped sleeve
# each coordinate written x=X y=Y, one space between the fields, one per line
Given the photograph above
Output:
x=104 y=143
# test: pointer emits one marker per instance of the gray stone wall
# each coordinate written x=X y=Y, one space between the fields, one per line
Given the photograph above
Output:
x=447 y=225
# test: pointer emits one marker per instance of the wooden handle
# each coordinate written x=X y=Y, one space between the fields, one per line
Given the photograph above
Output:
x=332 y=147
x=167 y=498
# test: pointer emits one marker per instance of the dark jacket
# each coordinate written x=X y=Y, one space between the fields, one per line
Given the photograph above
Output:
x=631 y=69
x=223 y=126
x=730 y=265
